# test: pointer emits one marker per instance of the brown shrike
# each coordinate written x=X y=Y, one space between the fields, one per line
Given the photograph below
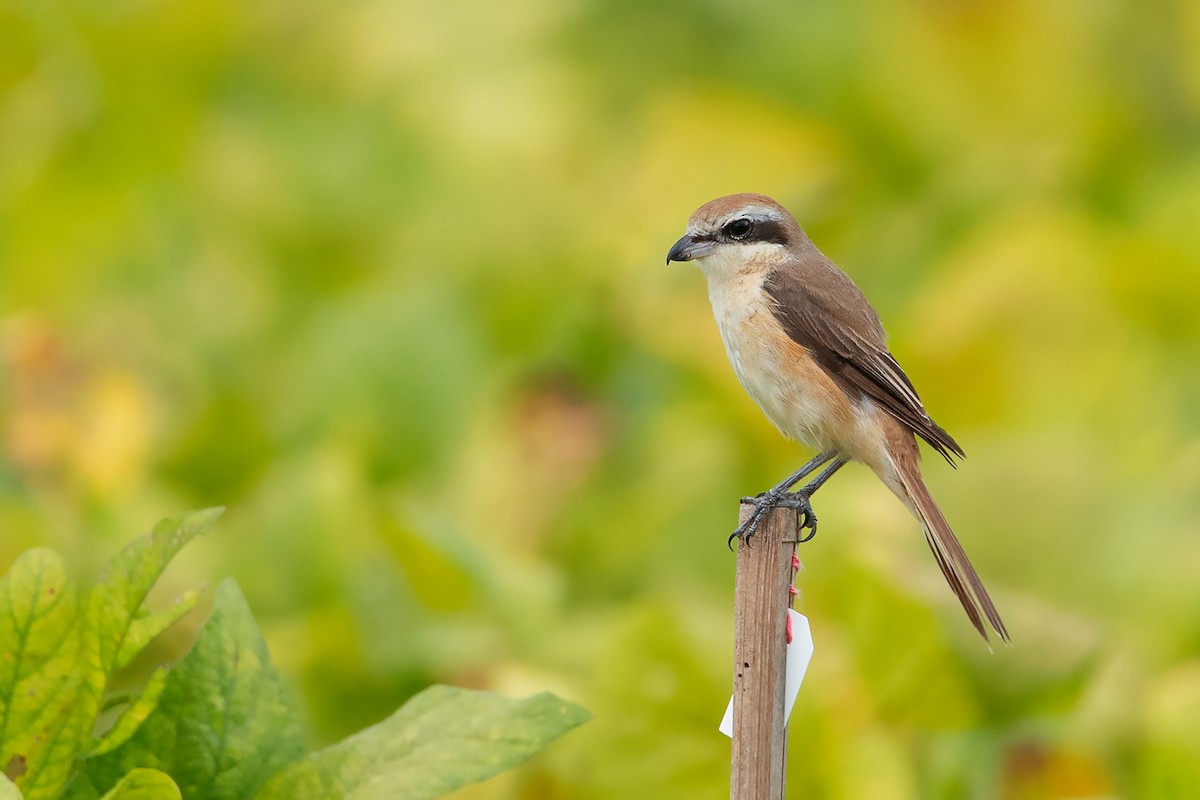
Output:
x=812 y=353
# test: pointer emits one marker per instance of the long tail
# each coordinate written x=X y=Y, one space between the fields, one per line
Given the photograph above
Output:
x=951 y=557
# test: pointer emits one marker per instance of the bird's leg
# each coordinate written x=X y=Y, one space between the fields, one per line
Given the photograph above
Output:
x=798 y=475
x=826 y=474
x=780 y=496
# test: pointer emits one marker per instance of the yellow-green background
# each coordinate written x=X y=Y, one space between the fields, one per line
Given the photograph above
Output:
x=386 y=279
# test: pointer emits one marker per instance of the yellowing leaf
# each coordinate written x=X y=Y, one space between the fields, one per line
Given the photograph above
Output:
x=133 y=716
x=57 y=650
x=143 y=629
x=49 y=687
x=121 y=590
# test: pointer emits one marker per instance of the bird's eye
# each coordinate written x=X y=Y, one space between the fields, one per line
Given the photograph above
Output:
x=739 y=228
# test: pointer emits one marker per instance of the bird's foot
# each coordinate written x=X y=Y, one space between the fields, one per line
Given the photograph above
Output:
x=798 y=500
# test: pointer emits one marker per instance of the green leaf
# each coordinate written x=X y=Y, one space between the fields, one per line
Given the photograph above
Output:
x=145 y=627
x=225 y=722
x=8 y=789
x=50 y=685
x=56 y=652
x=116 y=599
x=440 y=740
x=132 y=718
x=144 y=784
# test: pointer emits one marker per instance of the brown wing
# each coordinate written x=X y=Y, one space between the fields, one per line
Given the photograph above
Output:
x=823 y=310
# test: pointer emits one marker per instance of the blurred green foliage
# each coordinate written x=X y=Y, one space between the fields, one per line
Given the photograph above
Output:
x=386 y=279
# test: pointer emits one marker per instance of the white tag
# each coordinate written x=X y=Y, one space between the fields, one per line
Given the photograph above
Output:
x=799 y=653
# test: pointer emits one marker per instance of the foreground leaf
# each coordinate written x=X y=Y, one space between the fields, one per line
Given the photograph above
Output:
x=57 y=651
x=144 y=784
x=132 y=717
x=49 y=685
x=116 y=599
x=224 y=723
x=145 y=627
x=440 y=740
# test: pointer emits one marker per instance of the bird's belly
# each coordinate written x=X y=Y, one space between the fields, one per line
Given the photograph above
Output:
x=793 y=402
x=792 y=389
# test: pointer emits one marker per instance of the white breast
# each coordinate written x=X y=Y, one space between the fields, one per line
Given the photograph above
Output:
x=798 y=407
x=795 y=393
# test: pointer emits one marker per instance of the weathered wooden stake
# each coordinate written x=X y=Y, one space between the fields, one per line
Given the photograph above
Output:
x=764 y=573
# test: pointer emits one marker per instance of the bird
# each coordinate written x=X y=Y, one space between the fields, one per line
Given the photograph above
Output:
x=812 y=352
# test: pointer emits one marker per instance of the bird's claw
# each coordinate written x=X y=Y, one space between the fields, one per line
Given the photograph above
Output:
x=765 y=502
x=801 y=501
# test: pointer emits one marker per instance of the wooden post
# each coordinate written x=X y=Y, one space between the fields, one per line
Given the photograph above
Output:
x=764 y=573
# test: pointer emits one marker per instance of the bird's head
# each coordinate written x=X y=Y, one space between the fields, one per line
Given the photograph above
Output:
x=737 y=233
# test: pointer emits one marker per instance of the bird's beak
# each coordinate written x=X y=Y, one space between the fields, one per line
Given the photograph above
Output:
x=689 y=247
